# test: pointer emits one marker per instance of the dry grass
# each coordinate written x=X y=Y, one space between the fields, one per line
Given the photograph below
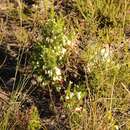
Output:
x=95 y=65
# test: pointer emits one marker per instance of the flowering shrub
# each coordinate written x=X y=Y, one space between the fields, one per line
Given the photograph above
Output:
x=49 y=52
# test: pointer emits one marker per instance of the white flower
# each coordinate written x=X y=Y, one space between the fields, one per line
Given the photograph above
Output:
x=50 y=72
x=116 y=127
x=106 y=53
x=63 y=51
x=57 y=71
x=67 y=97
x=78 y=109
x=57 y=75
x=47 y=39
x=55 y=78
x=79 y=95
x=71 y=94
x=35 y=7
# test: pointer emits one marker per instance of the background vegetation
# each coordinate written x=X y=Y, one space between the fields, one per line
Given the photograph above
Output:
x=65 y=65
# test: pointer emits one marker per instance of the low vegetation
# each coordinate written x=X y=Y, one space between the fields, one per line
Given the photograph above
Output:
x=65 y=65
